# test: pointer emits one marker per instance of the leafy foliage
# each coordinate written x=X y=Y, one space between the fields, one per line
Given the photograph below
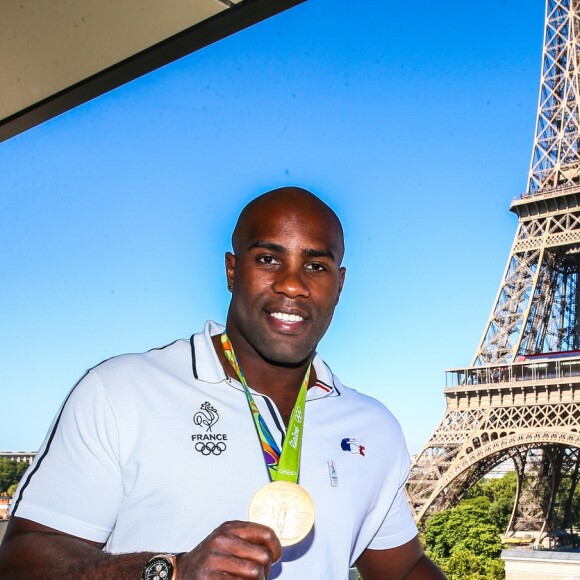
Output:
x=465 y=565
x=501 y=493
x=465 y=541
x=10 y=474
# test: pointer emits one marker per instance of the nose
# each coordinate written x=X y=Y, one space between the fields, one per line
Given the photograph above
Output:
x=291 y=281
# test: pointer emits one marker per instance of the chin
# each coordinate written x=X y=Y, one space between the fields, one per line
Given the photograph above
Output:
x=287 y=359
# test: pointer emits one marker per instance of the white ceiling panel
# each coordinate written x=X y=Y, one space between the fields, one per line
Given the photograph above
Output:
x=56 y=54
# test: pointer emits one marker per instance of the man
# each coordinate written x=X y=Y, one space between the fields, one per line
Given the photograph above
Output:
x=152 y=462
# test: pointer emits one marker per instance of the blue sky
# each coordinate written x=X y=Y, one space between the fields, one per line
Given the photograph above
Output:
x=415 y=126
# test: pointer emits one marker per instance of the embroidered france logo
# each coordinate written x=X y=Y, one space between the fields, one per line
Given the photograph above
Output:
x=208 y=443
x=349 y=444
x=207 y=417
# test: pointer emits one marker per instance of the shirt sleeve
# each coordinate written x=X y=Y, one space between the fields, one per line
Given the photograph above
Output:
x=398 y=526
x=74 y=484
x=388 y=522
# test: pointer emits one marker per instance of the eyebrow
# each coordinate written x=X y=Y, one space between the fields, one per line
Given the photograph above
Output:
x=310 y=252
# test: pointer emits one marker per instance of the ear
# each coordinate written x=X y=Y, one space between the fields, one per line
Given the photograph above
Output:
x=230 y=268
x=341 y=278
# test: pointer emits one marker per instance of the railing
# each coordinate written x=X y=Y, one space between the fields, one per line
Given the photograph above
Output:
x=536 y=370
x=547 y=191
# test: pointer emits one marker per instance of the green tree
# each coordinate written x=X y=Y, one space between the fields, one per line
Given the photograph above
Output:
x=434 y=535
x=465 y=542
x=455 y=527
x=501 y=493
x=463 y=564
x=483 y=539
x=10 y=473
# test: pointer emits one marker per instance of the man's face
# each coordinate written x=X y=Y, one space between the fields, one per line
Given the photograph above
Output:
x=286 y=279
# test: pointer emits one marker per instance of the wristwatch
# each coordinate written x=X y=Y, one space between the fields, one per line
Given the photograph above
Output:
x=161 y=567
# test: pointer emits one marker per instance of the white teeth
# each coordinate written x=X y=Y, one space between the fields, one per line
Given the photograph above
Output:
x=286 y=317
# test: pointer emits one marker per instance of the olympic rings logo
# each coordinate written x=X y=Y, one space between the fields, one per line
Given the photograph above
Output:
x=287 y=472
x=210 y=448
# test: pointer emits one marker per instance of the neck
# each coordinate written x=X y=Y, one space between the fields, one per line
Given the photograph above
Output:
x=280 y=383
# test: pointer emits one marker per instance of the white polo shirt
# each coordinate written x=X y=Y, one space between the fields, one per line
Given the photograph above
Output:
x=153 y=451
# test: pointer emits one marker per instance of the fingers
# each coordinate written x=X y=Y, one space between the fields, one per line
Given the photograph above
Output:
x=257 y=534
x=237 y=549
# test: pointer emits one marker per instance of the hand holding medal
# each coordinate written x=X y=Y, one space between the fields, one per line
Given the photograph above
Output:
x=282 y=504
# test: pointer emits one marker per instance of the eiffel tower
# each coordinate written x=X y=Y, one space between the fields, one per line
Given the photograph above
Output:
x=520 y=398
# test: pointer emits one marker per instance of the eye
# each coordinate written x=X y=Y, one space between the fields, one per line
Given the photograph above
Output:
x=267 y=260
x=316 y=267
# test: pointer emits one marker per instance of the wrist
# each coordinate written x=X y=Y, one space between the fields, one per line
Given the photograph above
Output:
x=161 y=566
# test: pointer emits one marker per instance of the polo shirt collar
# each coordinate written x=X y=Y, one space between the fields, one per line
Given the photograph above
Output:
x=207 y=367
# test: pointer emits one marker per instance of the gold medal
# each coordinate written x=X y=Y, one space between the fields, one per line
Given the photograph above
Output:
x=285 y=507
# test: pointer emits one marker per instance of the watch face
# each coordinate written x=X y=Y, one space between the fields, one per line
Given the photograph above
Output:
x=158 y=569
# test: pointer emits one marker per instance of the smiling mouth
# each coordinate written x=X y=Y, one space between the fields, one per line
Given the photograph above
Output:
x=284 y=317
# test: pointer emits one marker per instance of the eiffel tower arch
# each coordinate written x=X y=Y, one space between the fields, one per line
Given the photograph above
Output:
x=520 y=398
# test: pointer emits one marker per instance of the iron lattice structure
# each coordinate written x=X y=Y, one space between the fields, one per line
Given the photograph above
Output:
x=520 y=399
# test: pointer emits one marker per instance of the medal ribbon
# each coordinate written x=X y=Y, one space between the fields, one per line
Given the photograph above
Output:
x=285 y=465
